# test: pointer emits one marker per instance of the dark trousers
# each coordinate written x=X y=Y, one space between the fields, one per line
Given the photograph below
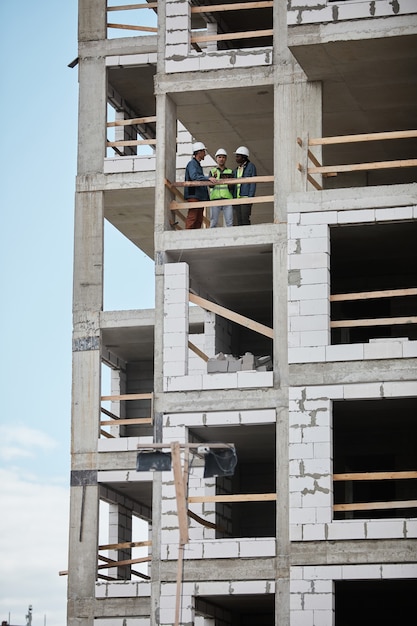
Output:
x=242 y=214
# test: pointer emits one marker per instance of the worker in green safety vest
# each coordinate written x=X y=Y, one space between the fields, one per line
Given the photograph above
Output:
x=222 y=191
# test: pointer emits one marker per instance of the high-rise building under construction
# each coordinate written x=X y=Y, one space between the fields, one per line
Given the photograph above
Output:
x=245 y=453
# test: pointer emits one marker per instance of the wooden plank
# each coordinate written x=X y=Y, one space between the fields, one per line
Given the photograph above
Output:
x=358 y=167
x=110 y=563
x=201 y=521
x=396 y=134
x=263 y=4
x=313 y=158
x=241 y=497
x=129 y=396
x=376 y=475
x=230 y=181
x=175 y=206
x=370 y=506
x=132 y=142
x=178 y=591
x=127 y=7
x=314 y=182
x=180 y=492
x=365 y=295
x=230 y=36
x=230 y=315
x=125 y=544
x=127 y=422
x=174 y=189
x=136 y=120
x=381 y=321
x=198 y=352
x=105 y=434
x=146 y=29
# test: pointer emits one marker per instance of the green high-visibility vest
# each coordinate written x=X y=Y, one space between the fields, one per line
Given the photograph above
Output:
x=219 y=192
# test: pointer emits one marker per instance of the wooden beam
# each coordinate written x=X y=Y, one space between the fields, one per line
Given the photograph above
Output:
x=175 y=206
x=127 y=421
x=375 y=475
x=241 y=497
x=358 y=167
x=370 y=506
x=146 y=29
x=313 y=182
x=380 y=321
x=198 y=352
x=110 y=563
x=230 y=315
x=125 y=544
x=365 y=295
x=137 y=120
x=230 y=181
x=396 y=134
x=132 y=142
x=129 y=396
x=263 y=4
x=180 y=492
x=127 y=7
x=230 y=36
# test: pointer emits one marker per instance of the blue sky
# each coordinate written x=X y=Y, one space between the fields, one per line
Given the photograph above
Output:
x=38 y=168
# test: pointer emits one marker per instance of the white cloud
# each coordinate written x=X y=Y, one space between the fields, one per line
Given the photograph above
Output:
x=34 y=548
x=19 y=441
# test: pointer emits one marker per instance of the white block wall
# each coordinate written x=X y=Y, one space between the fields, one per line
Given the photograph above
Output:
x=309 y=288
x=310 y=465
x=314 y=11
x=180 y=57
x=190 y=591
x=311 y=588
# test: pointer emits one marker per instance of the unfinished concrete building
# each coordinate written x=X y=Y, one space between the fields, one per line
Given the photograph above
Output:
x=290 y=343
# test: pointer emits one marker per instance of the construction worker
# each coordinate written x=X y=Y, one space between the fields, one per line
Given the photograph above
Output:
x=194 y=171
x=245 y=169
x=221 y=192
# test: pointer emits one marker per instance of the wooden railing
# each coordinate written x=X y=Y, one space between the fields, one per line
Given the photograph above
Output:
x=333 y=170
x=108 y=563
x=182 y=205
x=371 y=476
x=220 y=8
x=115 y=420
x=367 y=295
x=131 y=7
x=130 y=142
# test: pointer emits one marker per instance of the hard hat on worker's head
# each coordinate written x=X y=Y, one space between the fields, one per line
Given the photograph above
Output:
x=221 y=152
x=243 y=151
x=198 y=146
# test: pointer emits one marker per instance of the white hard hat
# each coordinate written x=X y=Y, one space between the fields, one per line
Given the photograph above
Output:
x=242 y=150
x=198 y=146
x=221 y=151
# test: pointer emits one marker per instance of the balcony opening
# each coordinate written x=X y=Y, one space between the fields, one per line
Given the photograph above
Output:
x=254 y=474
x=373 y=282
x=382 y=602
x=125 y=545
x=228 y=29
x=375 y=452
x=236 y=610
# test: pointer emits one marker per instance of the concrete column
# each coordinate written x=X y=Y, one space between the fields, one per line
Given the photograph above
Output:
x=92 y=20
x=297 y=114
x=92 y=115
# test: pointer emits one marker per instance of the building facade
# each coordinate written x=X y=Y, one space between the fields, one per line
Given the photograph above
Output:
x=290 y=343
